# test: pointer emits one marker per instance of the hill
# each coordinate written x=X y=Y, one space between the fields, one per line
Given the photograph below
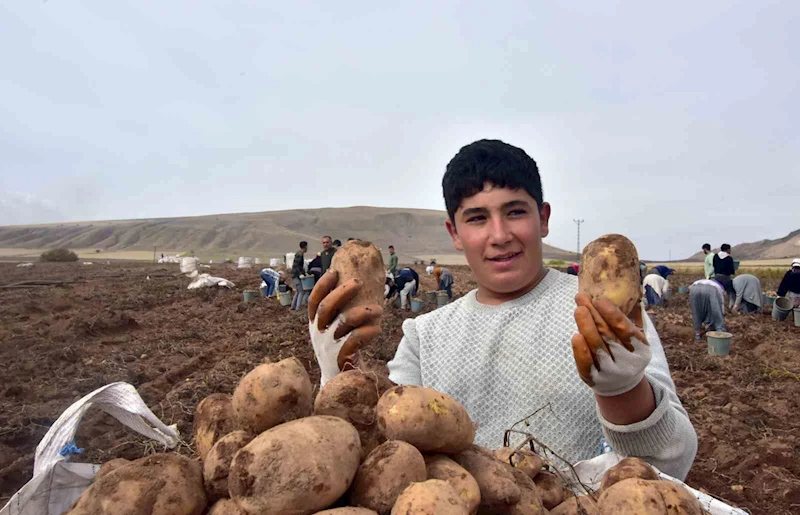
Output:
x=415 y=233
x=786 y=247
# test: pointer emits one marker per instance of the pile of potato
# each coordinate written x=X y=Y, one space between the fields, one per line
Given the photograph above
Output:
x=360 y=447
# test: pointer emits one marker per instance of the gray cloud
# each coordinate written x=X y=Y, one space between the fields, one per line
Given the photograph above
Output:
x=672 y=124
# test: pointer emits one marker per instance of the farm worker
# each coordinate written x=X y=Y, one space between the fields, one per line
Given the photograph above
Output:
x=429 y=269
x=723 y=262
x=642 y=270
x=405 y=285
x=444 y=280
x=656 y=285
x=505 y=349
x=300 y=297
x=748 y=294
x=707 y=302
x=708 y=264
x=392 y=260
x=315 y=267
x=271 y=280
x=328 y=250
x=790 y=285
x=337 y=243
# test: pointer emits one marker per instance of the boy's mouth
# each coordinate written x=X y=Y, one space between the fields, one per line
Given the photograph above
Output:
x=502 y=258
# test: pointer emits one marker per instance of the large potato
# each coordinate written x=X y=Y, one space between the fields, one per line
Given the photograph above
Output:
x=213 y=419
x=551 y=489
x=353 y=396
x=439 y=466
x=523 y=459
x=296 y=468
x=225 y=507
x=358 y=259
x=627 y=469
x=496 y=481
x=271 y=394
x=610 y=269
x=160 y=484
x=110 y=466
x=429 y=420
x=679 y=500
x=386 y=472
x=218 y=462
x=588 y=506
x=347 y=510
x=431 y=497
x=640 y=497
x=529 y=501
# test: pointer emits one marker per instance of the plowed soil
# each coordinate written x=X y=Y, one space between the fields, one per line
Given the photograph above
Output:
x=110 y=323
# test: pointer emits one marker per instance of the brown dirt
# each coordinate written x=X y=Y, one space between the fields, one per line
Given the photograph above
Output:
x=178 y=346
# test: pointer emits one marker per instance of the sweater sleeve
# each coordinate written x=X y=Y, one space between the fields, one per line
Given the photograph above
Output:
x=666 y=438
x=784 y=286
x=404 y=368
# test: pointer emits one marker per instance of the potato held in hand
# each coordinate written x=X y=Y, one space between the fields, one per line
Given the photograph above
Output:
x=299 y=467
x=272 y=394
x=160 y=484
x=361 y=260
x=610 y=269
x=429 y=420
x=213 y=419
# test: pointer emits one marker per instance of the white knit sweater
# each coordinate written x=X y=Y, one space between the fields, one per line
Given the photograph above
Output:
x=505 y=362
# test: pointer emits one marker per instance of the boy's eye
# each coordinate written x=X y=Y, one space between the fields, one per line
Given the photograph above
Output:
x=516 y=212
x=476 y=218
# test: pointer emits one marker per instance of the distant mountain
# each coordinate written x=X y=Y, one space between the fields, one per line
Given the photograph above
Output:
x=786 y=247
x=413 y=232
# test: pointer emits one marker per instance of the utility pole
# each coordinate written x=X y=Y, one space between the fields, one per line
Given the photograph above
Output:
x=578 y=252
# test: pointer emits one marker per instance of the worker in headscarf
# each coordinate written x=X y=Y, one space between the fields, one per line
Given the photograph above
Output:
x=656 y=285
x=444 y=280
x=790 y=285
x=748 y=294
x=707 y=301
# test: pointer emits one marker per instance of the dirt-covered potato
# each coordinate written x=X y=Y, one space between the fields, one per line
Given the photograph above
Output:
x=523 y=459
x=159 y=484
x=271 y=394
x=529 y=501
x=347 y=510
x=627 y=469
x=439 y=466
x=431 y=497
x=386 y=472
x=640 y=496
x=429 y=420
x=358 y=259
x=110 y=466
x=588 y=506
x=299 y=467
x=610 y=269
x=218 y=462
x=353 y=396
x=551 y=489
x=496 y=481
x=225 y=507
x=213 y=419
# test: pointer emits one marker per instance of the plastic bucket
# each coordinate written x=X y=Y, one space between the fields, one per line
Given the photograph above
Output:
x=441 y=298
x=719 y=343
x=735 y=265
x=683 y=289
x=781 y=308
x=308 y=283
x=430 y=296
x=285 y=298
x=263 y=291
x=416 y=306
x=249 y=295
x=281 y=288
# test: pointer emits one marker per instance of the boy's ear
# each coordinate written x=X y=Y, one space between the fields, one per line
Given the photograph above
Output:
x=451 y=228
x=544 y=219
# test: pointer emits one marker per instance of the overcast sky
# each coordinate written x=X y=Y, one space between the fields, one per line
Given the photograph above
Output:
x=674 y=125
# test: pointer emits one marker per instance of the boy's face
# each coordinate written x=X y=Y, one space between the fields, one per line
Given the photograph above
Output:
x=500 y=231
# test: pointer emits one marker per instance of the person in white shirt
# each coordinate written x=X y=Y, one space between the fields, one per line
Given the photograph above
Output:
x=525 y=338
x=656 y=285
x=707 y=301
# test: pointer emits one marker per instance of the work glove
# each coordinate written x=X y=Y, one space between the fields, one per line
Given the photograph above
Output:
x=335 y=335
x=610 y=349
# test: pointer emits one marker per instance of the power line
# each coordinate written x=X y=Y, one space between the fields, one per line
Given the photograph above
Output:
x=578 y=248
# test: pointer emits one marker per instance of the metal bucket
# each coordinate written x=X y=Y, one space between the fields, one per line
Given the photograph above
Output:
x=441 y=298
x=719 y=343
x=285 y=298
x=683 y=289
x=249 y=295
x=429 y=296
x=416 y=306
x=307 y=282
x=781 y=308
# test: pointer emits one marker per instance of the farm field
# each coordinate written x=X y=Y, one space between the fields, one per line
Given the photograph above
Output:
x=110 y=323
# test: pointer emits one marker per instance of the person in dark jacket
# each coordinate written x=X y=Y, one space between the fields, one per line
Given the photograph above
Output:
x=300 y=297
x=315 y=268
x=790 y=285
x=406 y=285
x=723 y=262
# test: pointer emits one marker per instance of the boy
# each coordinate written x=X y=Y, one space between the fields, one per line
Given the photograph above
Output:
x=504 y=350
